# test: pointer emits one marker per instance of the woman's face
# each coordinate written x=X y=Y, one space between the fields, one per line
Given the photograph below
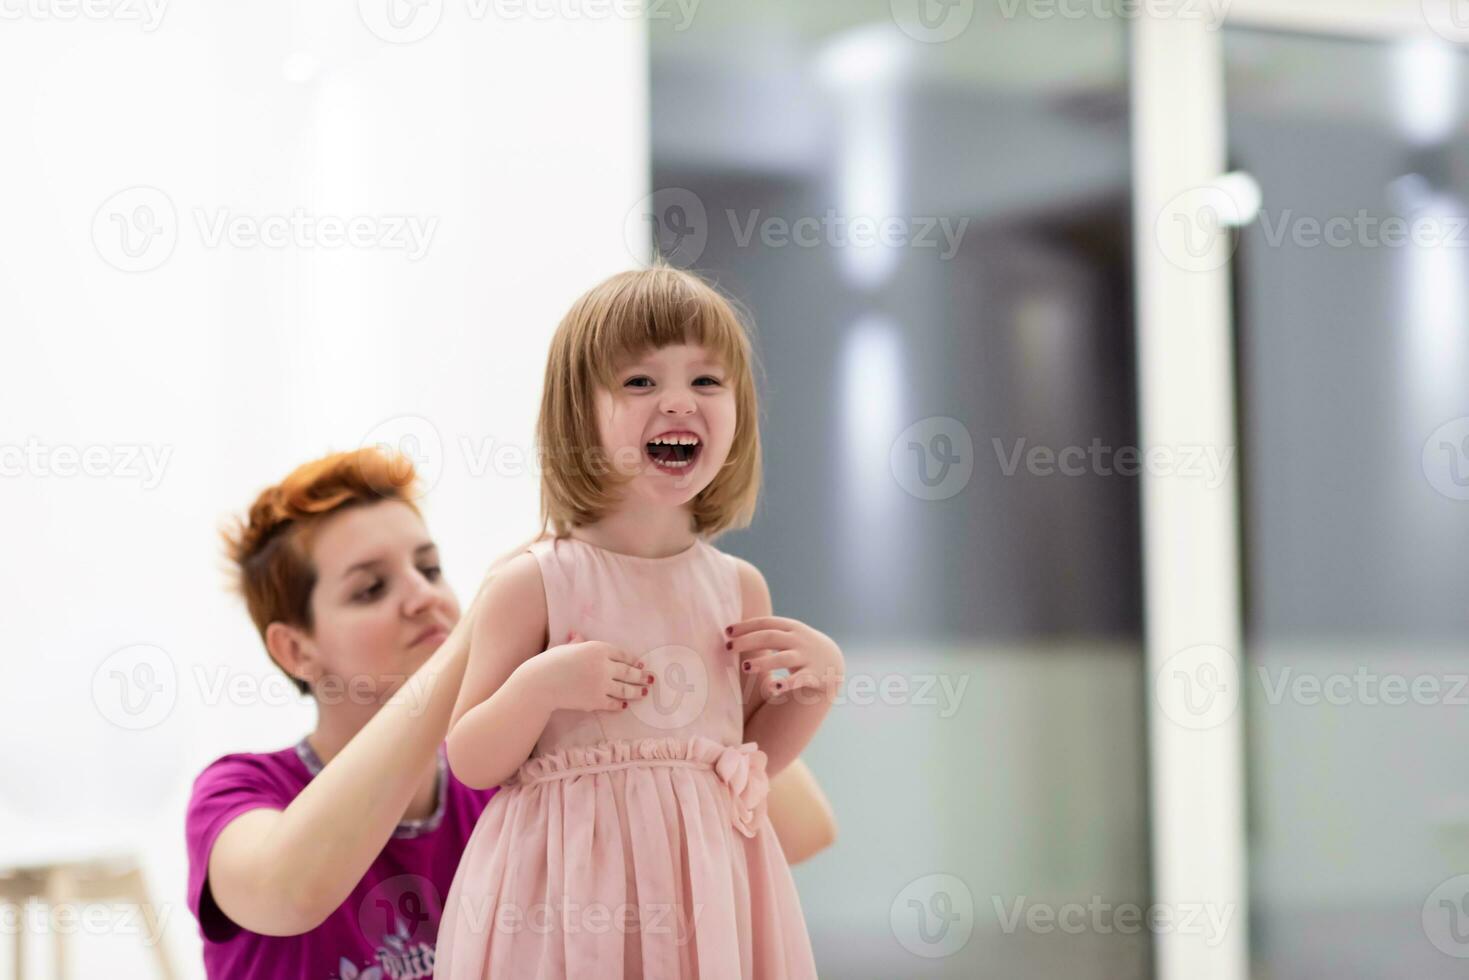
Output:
x=675 y=394
x=380 y=606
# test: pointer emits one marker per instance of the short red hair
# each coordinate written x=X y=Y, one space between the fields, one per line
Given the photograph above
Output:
x=270 y=549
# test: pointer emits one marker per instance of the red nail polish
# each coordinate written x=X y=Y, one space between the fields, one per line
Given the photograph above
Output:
x=624 y=704
x=729 y=631
x=645 y=690
x=779 y=685
x=650 y=678
x=728 y=645
x=747 y=665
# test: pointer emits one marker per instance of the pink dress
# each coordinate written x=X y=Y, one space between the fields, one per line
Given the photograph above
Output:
x=633 y=843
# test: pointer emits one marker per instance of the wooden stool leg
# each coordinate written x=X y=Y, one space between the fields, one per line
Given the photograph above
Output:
x=137 y=892
x=20 y=940
x=58 y=893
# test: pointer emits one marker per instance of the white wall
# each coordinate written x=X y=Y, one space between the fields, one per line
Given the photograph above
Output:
x=521 y=143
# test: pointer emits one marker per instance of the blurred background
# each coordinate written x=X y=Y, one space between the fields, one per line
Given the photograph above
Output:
x=236 y=238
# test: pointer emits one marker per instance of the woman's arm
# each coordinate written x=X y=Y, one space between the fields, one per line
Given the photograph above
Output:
x=282 y=872
x=800 y=814
x=782 y=714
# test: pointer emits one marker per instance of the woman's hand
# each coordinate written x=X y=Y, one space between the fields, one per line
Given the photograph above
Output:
x=588 y=675
x=813 y=658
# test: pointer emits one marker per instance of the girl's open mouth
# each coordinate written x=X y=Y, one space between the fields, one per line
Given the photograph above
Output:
x=674 y=452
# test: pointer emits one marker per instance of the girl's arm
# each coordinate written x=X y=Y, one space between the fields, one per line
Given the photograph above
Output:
x=510 y=688
x=781 y=714
x=282 y=872
x=799 y=813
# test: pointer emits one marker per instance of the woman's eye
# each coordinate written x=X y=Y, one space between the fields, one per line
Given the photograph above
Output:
x=432 y=572
x=369 y=593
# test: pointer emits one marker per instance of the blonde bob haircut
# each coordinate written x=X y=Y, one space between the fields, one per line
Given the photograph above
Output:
x=612 y=324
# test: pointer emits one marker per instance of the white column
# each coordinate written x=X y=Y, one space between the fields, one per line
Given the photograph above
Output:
x=1190 y=525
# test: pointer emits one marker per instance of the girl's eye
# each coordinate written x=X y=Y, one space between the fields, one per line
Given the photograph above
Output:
x=712 y=380
x=369 y=593
x=633 y=382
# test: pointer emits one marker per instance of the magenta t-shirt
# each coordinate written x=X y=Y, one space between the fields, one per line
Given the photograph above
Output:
x=387 y=927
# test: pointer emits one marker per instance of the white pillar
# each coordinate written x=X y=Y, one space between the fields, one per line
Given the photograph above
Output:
x=1190 y=525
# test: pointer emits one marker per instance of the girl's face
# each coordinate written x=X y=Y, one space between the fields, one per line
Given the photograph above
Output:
x=670 y=422
x=380 y=606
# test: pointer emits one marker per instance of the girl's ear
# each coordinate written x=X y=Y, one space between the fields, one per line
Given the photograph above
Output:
x=292 y=651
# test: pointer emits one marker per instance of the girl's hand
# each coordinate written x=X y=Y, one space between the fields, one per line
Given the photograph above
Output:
x=813 y=658
x=588 y=675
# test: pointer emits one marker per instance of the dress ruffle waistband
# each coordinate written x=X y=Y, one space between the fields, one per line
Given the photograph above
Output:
x=741 y=768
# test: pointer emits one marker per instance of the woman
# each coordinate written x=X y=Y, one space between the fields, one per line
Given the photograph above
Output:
x=331 y=857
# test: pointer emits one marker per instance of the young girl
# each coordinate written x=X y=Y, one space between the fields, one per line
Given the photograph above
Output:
x=604 y=684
